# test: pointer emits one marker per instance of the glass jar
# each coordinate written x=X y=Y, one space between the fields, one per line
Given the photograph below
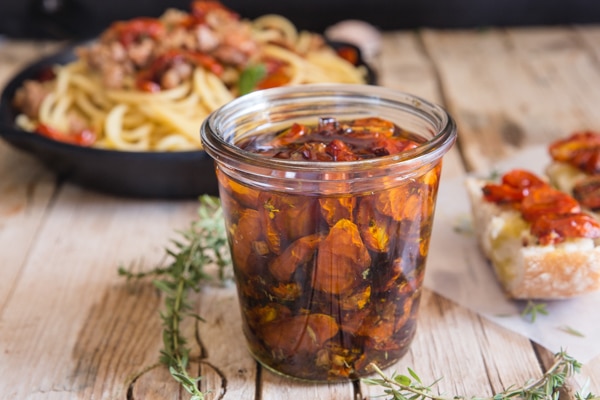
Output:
x=328 y=257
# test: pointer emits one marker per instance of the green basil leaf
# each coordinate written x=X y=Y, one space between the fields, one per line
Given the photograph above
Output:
x=250 y=78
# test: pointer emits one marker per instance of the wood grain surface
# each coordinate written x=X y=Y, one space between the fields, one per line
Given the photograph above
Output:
x=71 y=328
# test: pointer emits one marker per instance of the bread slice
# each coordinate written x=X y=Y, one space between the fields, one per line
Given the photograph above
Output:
x=524 y=268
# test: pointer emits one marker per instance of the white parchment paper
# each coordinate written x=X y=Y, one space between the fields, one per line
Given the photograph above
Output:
x=457 y=270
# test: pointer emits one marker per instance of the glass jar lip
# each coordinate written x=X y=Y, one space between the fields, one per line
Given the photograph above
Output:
x=433 y=148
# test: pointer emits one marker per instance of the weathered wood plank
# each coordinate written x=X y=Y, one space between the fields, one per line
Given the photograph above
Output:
x=567 y=60
x=473 y=356
x=275 y=387
x=70 y=308
x=449 y=337
x=16 y=54
x=405 y=66
x=590 y=37
x=65 y=305
x=510 y=89
x=26 y=187
x=26 y=190
x=229 y=371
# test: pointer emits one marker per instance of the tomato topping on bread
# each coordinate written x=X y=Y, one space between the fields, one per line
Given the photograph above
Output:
x=581 y=150
x=537 y=238
x=554 y=215
x=575 y=167
x=514 y=187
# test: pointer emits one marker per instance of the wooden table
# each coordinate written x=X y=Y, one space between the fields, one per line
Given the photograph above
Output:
x=70 y=328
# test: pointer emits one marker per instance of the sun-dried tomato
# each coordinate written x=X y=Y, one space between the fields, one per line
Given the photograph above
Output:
x=514 y=187
x=544 y=200
x=375 y=229
x=85 y=137
x=581 y=150
x=330 y=283
x=335 y=208
x=554 y=216
x=553 y=228
x=295 y=255
x=285 y=292
x=201 y=8
x=148 y=79
x=587 y=192
x=502 y=194
x=275 y=77
x=286 y=219
x=289 y=136
x=342 y=259
x=242 y=194
x=349 y=54
x=304 y=334
x=340 y=151
x=132 y=30
x=261 y=315
x=385 y=147
x=522 y=179
x=330 y=140
x=370 y=127
x=247 y=232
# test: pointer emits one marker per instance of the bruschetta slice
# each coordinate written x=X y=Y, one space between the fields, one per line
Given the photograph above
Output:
x=539 y=241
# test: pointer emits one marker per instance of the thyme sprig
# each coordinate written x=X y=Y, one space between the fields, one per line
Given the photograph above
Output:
x=533 y=309
x=411 y=387
x=203 y=245
x=570 y=330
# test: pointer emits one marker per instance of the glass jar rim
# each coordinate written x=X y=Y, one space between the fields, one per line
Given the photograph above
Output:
x=433 y=148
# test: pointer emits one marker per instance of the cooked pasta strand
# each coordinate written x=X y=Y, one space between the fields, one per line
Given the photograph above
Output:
x=125 y=117
x=114 y=131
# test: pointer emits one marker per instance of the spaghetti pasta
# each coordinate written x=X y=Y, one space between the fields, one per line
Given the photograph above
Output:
x=147 y=84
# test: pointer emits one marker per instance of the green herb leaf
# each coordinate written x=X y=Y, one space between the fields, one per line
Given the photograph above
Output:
x=570 y=331
x=533 y=309
x=403 y=380
x=544 y=388
x=250 y=78
x=202 y=245
x=205 y=244
x=414 y=375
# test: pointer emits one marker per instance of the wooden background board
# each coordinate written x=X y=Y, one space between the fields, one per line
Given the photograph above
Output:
x=70 y=328
x=509 y=89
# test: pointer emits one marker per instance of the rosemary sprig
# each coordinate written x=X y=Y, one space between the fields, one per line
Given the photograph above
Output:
x=203 y=245
x=404 y=387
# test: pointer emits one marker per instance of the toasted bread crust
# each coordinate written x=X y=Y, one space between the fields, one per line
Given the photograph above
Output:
x=558 y=273
x=525 y=269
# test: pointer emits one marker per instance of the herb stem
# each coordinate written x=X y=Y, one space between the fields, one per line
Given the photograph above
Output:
x=204 y=244
x=422 y=391
x=559 y=362
x=544 y=388
x=177 y=313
